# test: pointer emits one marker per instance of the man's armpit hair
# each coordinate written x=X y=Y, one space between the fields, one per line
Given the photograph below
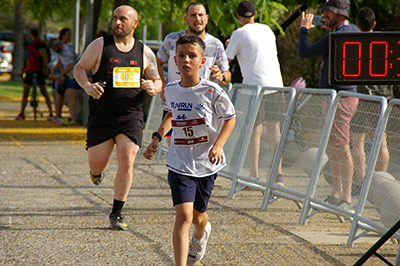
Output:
x=152 y=66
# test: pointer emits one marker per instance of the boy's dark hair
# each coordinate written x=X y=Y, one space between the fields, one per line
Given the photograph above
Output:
x=34 y=32
x=63 y=32
x=195 y=4
x=191 y=39
x=365 y=19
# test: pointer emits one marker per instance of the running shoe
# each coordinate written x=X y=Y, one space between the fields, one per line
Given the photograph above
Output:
x=333 y=201
x=96 y=179
x=20 y=117
x=197 y=247
x=116 y=222
x=348 y=206
x=58 y=120
x=70 y=122
x=50 y=118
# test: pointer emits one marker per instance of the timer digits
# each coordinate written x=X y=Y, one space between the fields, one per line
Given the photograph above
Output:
x=364 y=58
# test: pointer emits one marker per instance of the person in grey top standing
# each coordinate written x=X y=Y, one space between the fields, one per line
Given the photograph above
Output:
x=216 y=67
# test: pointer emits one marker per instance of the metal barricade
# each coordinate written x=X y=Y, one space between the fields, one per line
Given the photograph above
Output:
x=378 y=208
x=244 y=98
x=298 y=148
x=259 y=138
x=332 y=190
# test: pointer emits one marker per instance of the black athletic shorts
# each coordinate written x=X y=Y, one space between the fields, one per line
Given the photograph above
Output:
x=40 y=78
x=99 y=134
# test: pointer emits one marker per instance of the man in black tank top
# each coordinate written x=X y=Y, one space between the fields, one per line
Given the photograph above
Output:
x=119 y=64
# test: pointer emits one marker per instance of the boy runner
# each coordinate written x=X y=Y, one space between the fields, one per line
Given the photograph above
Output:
x=196 y=108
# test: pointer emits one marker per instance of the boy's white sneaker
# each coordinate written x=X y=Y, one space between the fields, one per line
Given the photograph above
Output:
x=197 y=247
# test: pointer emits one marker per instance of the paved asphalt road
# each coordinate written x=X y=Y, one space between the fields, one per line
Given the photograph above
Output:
x=51 y=214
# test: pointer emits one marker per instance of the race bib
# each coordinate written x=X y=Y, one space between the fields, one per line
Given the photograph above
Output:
x=126 y=77
x=190 y=131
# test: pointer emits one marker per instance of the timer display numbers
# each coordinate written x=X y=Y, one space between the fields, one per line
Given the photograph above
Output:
x=364 y=58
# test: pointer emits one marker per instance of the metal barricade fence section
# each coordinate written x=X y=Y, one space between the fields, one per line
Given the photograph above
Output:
x=265 y=135
x=153 y=121
x=244 y=99
x=298 y=146
x=355 y=119
x=337 y=188
x=379 y=206
x=386 y=197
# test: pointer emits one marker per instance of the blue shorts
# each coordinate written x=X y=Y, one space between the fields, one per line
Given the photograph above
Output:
x=191 y=189
x=73 y=84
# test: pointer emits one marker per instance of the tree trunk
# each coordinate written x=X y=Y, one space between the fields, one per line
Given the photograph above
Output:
x=18 y=53
x=96 y=14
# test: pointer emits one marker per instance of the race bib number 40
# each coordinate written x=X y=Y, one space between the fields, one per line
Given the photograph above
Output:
x=190 y=131
x=126 y=77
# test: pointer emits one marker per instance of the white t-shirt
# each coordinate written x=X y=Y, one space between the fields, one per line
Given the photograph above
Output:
x=255 y=48
x=67 y=56
x=198 y=114
x=214 y=54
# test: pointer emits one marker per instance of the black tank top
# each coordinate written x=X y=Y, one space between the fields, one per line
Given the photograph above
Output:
x=117 y=105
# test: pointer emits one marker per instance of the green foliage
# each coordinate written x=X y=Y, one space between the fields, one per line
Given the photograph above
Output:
x=170 y=13
x=49 y=10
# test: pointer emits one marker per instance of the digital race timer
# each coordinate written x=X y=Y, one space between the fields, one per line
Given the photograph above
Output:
x=364 y=58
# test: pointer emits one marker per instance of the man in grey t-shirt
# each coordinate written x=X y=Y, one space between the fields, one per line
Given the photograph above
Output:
x=216 y=67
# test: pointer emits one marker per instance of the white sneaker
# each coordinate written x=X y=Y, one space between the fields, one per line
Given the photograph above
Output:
x=197 y=247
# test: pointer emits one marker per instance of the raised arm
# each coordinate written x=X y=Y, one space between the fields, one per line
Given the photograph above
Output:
x=90 y=60
x=153 y=84
x=222 y=77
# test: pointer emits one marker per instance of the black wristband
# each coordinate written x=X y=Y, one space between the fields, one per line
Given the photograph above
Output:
x=223 y=78
x=155 y=134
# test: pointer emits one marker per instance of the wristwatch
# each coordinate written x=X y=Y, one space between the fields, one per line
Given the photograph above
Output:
x=223 y=78
x=155 y=134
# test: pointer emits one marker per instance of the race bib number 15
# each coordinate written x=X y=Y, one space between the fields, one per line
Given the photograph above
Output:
x=190 y=131
x=126 y=77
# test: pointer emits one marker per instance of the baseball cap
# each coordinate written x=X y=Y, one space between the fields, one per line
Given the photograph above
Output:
x=340 y=7
x=245 y=9
x=52 y=42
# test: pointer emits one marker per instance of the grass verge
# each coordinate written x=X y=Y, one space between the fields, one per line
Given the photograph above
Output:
x=11 y=91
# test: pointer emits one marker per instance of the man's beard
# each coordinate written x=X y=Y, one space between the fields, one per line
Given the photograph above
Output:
x=120 y=34
x=194 y=31
x=333 y=22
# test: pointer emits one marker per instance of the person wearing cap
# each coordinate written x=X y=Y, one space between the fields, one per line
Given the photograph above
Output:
x=65 y=64
x=254 y=46
x=335 y=17
x=365 y=21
